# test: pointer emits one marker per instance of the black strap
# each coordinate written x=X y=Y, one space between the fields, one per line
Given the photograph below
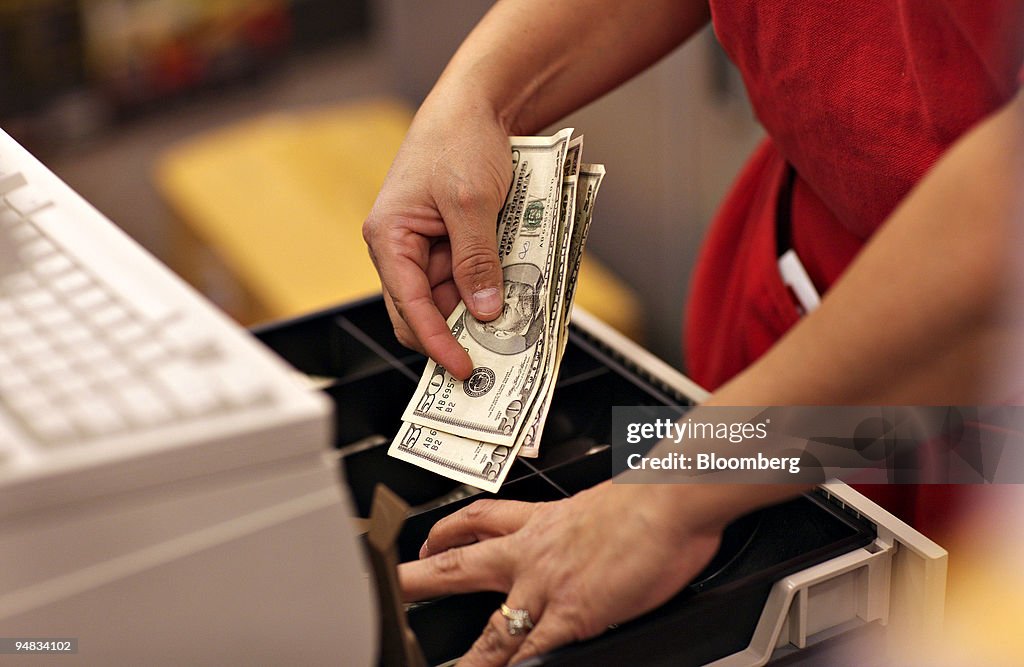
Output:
x=783 y=218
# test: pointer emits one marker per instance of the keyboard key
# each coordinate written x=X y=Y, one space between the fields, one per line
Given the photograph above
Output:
x=35 y=300
x=53 y=266
x=189 y=338
x=142 y=404
x=89 y=299
x=28 y=400
x=54 y=318
x=93 y=355
x=52 y=366
x=146 y=352
x=53 y=427
x=145 y=302
x=27 y=199
x=241 y=385
x=30 y=347
x=11 y=181
x=108 y=315
x=73 y=335
x=13 y=379
x=112 y=372
x=20 y=232
x=76 y=382
x=95 y=416
x=36 y=249
x=191 y=390
x=9 y=219
x=70 y=282
x=14 y=328
x=127 y=333
x=21 y=281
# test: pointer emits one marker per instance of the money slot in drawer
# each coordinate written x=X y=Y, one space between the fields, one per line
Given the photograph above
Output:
x=370 y=317
x=365 y=468
x=369 y=405
x=533 y=488
x=343 y=343
x=315 y=344
x=369 y=353
x=577 y=363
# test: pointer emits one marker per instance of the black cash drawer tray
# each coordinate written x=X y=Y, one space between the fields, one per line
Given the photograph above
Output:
x=372 y=378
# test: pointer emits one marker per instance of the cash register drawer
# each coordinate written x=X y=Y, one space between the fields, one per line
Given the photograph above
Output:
x=371 y=377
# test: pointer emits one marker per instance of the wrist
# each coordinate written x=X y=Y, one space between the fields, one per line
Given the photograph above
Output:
x=464 y=97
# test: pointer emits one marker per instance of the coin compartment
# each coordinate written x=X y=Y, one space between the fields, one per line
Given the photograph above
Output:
x=365 y=406
x=365 y=468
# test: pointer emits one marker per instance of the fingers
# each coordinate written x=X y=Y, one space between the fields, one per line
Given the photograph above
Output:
x=402 y=258
x=551 y=631
x=446 y=296
x=402 y=331
x=484 y=566
x=443 y=291
x=482 y=520
x=430 y=329
x=439 y=263
x=414 y=312
x=496 y=644
x=475 y=265
x=439 y=274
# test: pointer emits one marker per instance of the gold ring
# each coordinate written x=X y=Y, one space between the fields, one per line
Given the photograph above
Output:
x=518 y=620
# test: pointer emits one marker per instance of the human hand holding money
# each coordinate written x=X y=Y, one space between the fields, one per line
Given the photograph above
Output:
x=431 y=230
x=472 y=429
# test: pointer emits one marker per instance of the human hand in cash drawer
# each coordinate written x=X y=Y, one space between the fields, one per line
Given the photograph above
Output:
x=571 y=567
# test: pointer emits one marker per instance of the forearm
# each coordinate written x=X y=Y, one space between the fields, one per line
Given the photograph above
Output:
x=530 y=62
x=928 y=313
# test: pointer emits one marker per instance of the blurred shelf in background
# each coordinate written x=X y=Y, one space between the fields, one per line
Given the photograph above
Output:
x=269 y=211
x=71 y=68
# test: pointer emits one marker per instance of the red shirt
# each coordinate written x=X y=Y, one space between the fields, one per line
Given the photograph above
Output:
x=861 y=98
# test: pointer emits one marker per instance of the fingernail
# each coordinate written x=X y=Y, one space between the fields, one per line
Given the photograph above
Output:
x=424 y=550
x=487 y=301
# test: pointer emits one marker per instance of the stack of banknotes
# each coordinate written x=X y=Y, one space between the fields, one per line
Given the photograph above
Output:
x=471 y=430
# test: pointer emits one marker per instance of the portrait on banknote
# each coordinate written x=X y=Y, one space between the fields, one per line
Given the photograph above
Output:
x=520 y=324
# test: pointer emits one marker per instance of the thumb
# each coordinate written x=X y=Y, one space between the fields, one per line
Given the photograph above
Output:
x=475 y=265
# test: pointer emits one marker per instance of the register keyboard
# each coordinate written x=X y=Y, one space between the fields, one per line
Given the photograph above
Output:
x=160 y=470
x=105 y=357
